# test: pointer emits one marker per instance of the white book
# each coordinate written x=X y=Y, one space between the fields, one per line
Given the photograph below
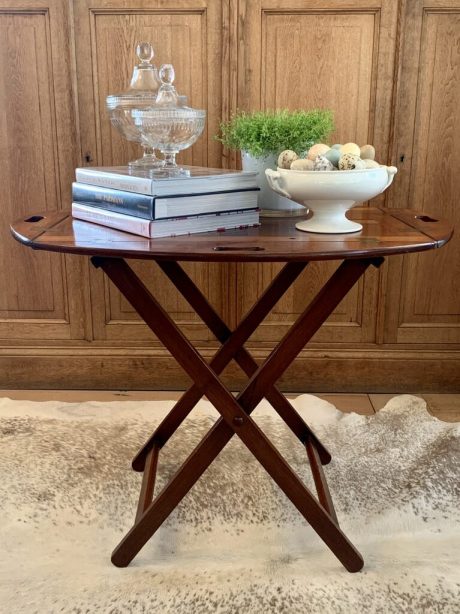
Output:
x=201 y=180
x=154 y=229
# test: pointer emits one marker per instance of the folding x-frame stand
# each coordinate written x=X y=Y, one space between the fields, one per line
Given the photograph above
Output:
x=235 y=412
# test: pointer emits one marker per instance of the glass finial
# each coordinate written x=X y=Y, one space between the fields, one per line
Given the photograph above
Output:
x=167 y=74
x=145 y=75
x=167 y=94
x=144 y=52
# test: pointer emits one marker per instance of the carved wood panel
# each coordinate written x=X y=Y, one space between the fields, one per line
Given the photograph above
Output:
x=305 y=55
x=188 y=34
x=37 y=159
x=423 y=295
x=230 y=54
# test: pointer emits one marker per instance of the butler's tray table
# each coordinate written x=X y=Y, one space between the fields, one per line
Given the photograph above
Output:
x=385 y=232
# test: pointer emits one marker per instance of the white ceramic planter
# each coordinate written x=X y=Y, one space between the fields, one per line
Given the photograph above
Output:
x=330 y=194
x=270 y=202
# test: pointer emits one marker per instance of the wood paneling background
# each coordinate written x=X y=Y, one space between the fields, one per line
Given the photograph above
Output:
x=320 y=55
x=424 y=305
x=188 y=34
x=40 y=297
x=389 y=69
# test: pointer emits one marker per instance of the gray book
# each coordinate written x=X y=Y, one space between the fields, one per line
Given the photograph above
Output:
x=201 y=180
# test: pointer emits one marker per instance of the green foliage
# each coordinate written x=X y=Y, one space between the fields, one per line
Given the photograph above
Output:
x=269 y=132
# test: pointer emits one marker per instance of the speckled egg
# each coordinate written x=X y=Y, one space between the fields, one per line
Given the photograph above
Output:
x=371 y=164
x=323 y=164
x=350 y=162
x=317 y=150
x=367 y=152
x=286 y=158
x=333 y=155
x=351 y=148
x=302 y=164
x=337 y=146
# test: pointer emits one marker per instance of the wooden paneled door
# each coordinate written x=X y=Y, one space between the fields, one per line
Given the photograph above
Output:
x=423 y=306
x=41 y=294
x=320 y=54
x=190 y=35
x=389 y=70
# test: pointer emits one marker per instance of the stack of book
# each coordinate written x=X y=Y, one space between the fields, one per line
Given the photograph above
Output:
x=207 y=200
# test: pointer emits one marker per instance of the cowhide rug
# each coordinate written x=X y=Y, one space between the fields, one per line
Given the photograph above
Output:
x=235 y=544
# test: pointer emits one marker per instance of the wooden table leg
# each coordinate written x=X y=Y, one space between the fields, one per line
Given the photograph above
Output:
x=303 y=329
x=235 y=412
x=148 y=481
x=324 y=496
x=232 y=347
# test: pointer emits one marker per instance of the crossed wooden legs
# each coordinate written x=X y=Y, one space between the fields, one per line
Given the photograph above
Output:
x=235 y=412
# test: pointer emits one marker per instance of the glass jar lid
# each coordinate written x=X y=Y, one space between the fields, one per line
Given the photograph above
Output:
x=169 y=106
x=145 y=82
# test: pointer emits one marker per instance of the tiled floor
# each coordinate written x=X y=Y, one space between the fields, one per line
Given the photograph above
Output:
x=443 y=406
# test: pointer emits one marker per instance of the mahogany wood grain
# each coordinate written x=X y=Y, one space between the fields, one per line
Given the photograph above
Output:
x=304 y=328
x=276 y=240
x=232 y=348
x=319 y=478
x=235 y=416
x=427 y=223
x=148 y=480
x=383 y=234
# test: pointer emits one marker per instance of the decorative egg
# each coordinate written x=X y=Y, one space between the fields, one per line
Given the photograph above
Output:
x=286 y=158
x=323 y=164
x=333 y=155
x=317 y=150
x=371 y=164
x=367 y=152
x=302 y=164
x=351 y=148
x=350 y=162
x=337 y=146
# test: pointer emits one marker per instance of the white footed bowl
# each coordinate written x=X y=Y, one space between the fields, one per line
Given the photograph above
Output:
x=329 y=194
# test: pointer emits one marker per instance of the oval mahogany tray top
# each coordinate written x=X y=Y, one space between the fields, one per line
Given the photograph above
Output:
x=385 y=232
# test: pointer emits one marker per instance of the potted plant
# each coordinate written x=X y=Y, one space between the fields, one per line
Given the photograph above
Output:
x=262 y=135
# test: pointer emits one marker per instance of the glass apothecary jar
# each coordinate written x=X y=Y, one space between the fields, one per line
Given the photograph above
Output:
x=141 y=94
x=170 y=125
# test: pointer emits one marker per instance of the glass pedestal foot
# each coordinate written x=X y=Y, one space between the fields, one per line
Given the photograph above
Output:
x=169 y=172
x=147 y=162
x=170 y=167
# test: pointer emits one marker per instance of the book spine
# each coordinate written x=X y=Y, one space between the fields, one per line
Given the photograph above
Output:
x=139 y=205
x=141 y=185
x=126 y=223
